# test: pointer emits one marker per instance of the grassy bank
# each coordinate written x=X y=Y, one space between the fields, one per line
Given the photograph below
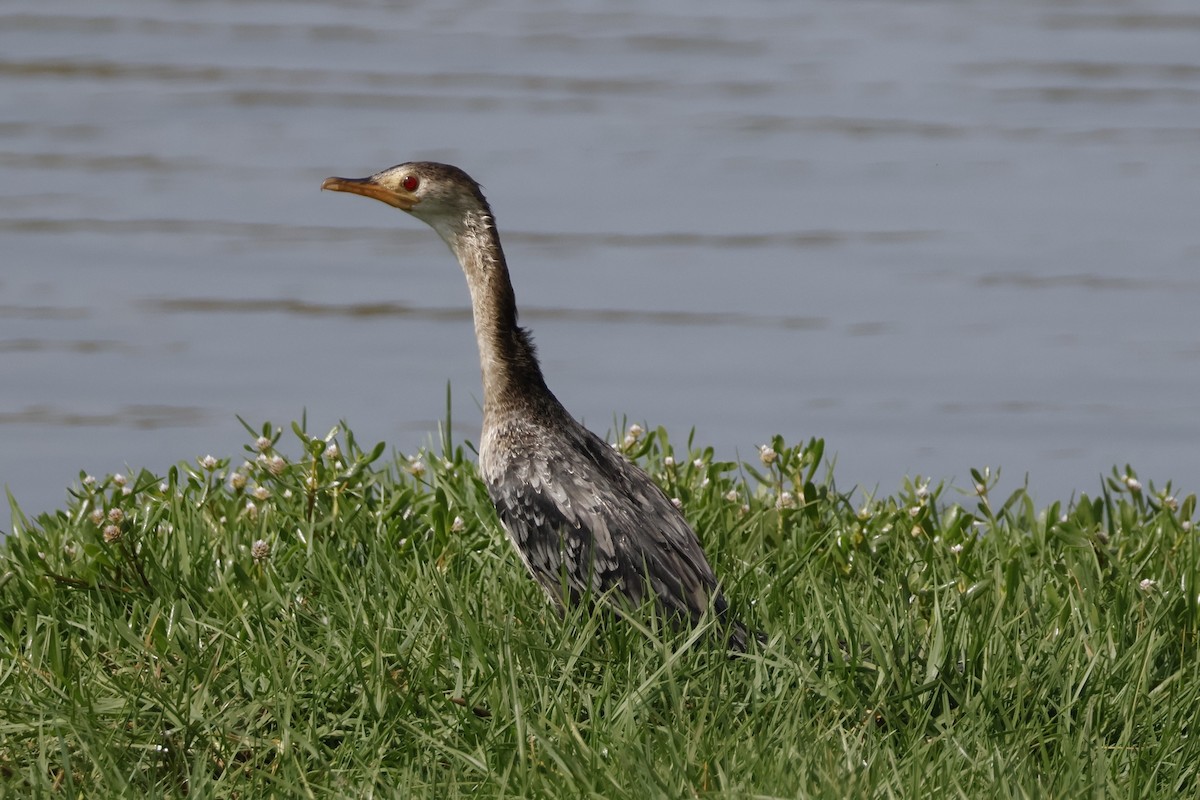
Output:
x=309 y=619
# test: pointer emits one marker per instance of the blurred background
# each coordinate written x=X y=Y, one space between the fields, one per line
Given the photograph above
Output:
x=940 y=235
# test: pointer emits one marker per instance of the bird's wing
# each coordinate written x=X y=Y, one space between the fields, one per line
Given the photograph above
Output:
x=586 y=520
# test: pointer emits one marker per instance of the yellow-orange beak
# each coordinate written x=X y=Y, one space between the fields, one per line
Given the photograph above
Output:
x=368 y=187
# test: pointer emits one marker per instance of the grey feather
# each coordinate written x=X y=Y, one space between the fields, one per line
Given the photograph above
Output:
x=587 y=522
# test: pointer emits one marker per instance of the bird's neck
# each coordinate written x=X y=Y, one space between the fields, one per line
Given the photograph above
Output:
x=509 y=365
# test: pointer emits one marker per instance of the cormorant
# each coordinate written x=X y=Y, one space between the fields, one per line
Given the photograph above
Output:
x=586 y=522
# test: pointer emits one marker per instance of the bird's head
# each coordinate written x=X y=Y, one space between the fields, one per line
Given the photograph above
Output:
x=440 y=195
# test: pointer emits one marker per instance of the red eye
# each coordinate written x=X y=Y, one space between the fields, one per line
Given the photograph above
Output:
x=410 y=183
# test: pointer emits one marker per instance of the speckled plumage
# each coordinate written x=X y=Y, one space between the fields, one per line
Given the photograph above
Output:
x=585 y=521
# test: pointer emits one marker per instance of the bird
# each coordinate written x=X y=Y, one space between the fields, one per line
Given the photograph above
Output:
x=586 y=522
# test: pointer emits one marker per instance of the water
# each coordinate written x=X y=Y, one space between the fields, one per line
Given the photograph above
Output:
x=939 y=235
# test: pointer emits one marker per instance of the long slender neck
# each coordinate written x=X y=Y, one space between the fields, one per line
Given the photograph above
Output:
x=511 y=374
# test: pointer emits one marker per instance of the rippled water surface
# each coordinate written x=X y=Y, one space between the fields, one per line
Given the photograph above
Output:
x=940 y=235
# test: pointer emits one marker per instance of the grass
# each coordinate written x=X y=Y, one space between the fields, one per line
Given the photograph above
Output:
x=335 y=623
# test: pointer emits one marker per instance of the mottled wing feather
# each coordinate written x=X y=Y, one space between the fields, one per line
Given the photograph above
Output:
x=586 y=520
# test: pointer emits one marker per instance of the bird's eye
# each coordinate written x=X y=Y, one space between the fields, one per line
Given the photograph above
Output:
x=410 y=183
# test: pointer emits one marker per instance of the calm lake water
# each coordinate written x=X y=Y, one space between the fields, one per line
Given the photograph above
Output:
x=940 y=235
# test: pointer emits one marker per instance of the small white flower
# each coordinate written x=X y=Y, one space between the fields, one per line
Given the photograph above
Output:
x=251 y=510
x=956 y=548
x=458 y=525
x=767 y=454
x=126 y=490
x=208 y=463
x=97 y=516
x=263 y=444
x=630 y=440
x=111 y=534
x=333 y=451
x=89 y=480
x=635 y=431
x=704 y=483
x=786 y=500
x=119 y=479
x=1148 y=584
x=416 y=466
x=732 y=496
x=262 y=492
x=914 y=511
x=1133 y=484
x=923 y=492
x=237 y=481
x=745 y=509
x=115 y=515
x=164 y=487
x=980 y=489
x=675 y=501
x=276 y=465
x=287 y=493
x=1171 y=503
x=668 y=462
x=698 y=463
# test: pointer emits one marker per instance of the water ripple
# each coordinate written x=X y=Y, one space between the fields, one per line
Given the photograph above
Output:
x=217 y=305
x=96 y=162
x=75 y=346
x=1086 y=70
x=294 y=233
x=42 y=312
x=868 y=128
x=1026 y=280
x=1123 y=22
x=224 y=75
x=145 y=417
